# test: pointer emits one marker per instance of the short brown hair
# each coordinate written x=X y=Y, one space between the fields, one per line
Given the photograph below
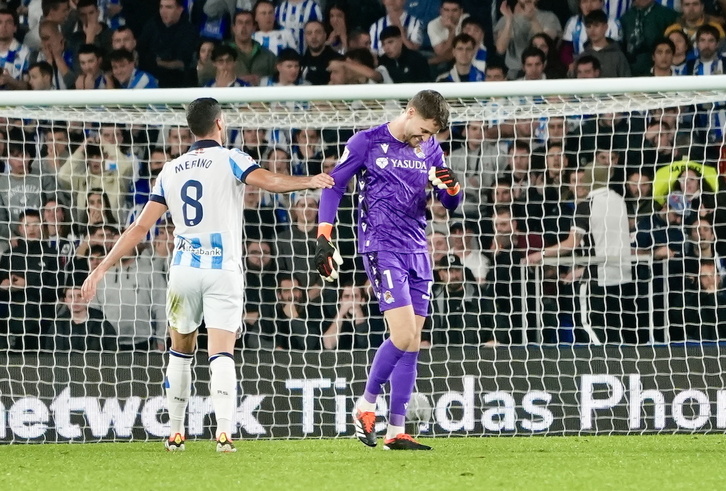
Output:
x=431 y=105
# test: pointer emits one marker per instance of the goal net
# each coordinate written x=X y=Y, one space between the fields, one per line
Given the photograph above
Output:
x=616 y=328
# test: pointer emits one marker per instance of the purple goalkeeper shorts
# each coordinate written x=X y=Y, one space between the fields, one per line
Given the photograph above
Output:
x=400 y=279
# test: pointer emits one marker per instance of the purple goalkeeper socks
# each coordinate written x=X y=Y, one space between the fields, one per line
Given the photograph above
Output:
x=383 y=364
x=403 y=379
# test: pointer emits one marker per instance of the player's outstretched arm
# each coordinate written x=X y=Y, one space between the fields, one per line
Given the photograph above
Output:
x=134 y=234
x=281 y=183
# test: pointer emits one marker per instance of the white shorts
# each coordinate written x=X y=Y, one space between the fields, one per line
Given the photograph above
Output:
x=215 y=295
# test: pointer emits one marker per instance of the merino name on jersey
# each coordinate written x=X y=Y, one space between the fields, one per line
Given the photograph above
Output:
x=203 y=191
x=393 y=188
x=193 y=164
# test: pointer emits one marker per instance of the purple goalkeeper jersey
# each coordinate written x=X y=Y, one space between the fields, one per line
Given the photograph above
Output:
x=393 y=187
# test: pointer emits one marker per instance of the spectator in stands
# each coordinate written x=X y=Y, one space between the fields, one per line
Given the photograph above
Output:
x=682 y=53
x=78 y=327
x=132 y=305
x=58 y=234
x=318 y=54
x=84 y=170
x=495 y=72
x=553 y=66
x=97 y=213
x=477 y=164
x=178 y=140
x=359 y=67
x=403 y=64
x=663 y=59
x=167 y=44
x=336 y=24
x=307 y=152
x=294 y=14
x=475 y=29
x=601 y=220
x=55 y=149
x=518 y=167
x=702 y=247
x=21 y=188
x=661 y=236
x=587 y=66
x=28 y=281
x=575 y=34
x=14 y=57
x=204 y=56
x=709 y=60
x=694 y=16
x=224 y=58
x=253 y=60
x=350 y=326
x=104 y=236
x=125 y=73
x=613 y=62
x=705 y=305
x=517 y=26
x=90 y=58
x=643 y=24
x=260 y=283
x=457 y=314
x=638 y=198
x=444 y=28
x=534 y=62
x=40 y=76
x=267 y=33
x=462 y=245
x=396 y=15
x=359 y=39
x=53 y=50
x=464 y=50
x=287 y=70
x=291 y=319
x=297 y=245
x=123 y=38
x=57 y=11
x=90 y=29
x=502 y=294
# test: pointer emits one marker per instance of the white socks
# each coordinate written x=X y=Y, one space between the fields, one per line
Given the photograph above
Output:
x=223 y=391
x=178 y=385
x=394 y=431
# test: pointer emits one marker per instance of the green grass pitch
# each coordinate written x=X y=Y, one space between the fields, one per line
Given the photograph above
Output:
x=617 y=462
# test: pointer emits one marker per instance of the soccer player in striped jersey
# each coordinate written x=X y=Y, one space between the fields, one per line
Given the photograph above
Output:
x=395 y=163
x=410 y=26
x=267 y=33
x=203 y=191
x=294 y=14
x=127 y=75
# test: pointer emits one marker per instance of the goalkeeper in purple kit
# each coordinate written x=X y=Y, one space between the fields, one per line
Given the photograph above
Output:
x=395 y=164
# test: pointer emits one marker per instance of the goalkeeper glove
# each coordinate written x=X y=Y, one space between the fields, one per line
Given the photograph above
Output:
x=327 y=259
x=444 y=178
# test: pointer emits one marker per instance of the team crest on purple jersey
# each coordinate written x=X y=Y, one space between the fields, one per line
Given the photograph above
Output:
x=388 y=297
x=419 y=153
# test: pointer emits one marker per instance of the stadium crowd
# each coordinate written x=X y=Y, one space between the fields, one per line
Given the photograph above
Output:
x=68 y=190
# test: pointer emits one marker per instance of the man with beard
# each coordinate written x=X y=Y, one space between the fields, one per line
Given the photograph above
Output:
x=317 y=55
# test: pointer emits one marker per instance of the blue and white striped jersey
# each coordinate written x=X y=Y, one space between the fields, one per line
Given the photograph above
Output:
x=292 y=15
x=276 y=40
x=15 y=60
x=480 y=59
x=575 y=32
x=203 y=191
x=713 y=67
x=141 y=80
x=616 y=8
x=413 y=26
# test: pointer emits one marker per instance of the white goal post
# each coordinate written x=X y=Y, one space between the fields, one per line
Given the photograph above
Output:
x=512 y=348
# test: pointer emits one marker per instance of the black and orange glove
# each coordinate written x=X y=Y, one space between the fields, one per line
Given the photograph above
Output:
x=327 y=259
x=444 y=178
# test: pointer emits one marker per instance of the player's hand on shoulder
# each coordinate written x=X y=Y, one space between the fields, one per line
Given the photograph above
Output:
x=444 y=178
x=321 y=181
x=327 y=259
